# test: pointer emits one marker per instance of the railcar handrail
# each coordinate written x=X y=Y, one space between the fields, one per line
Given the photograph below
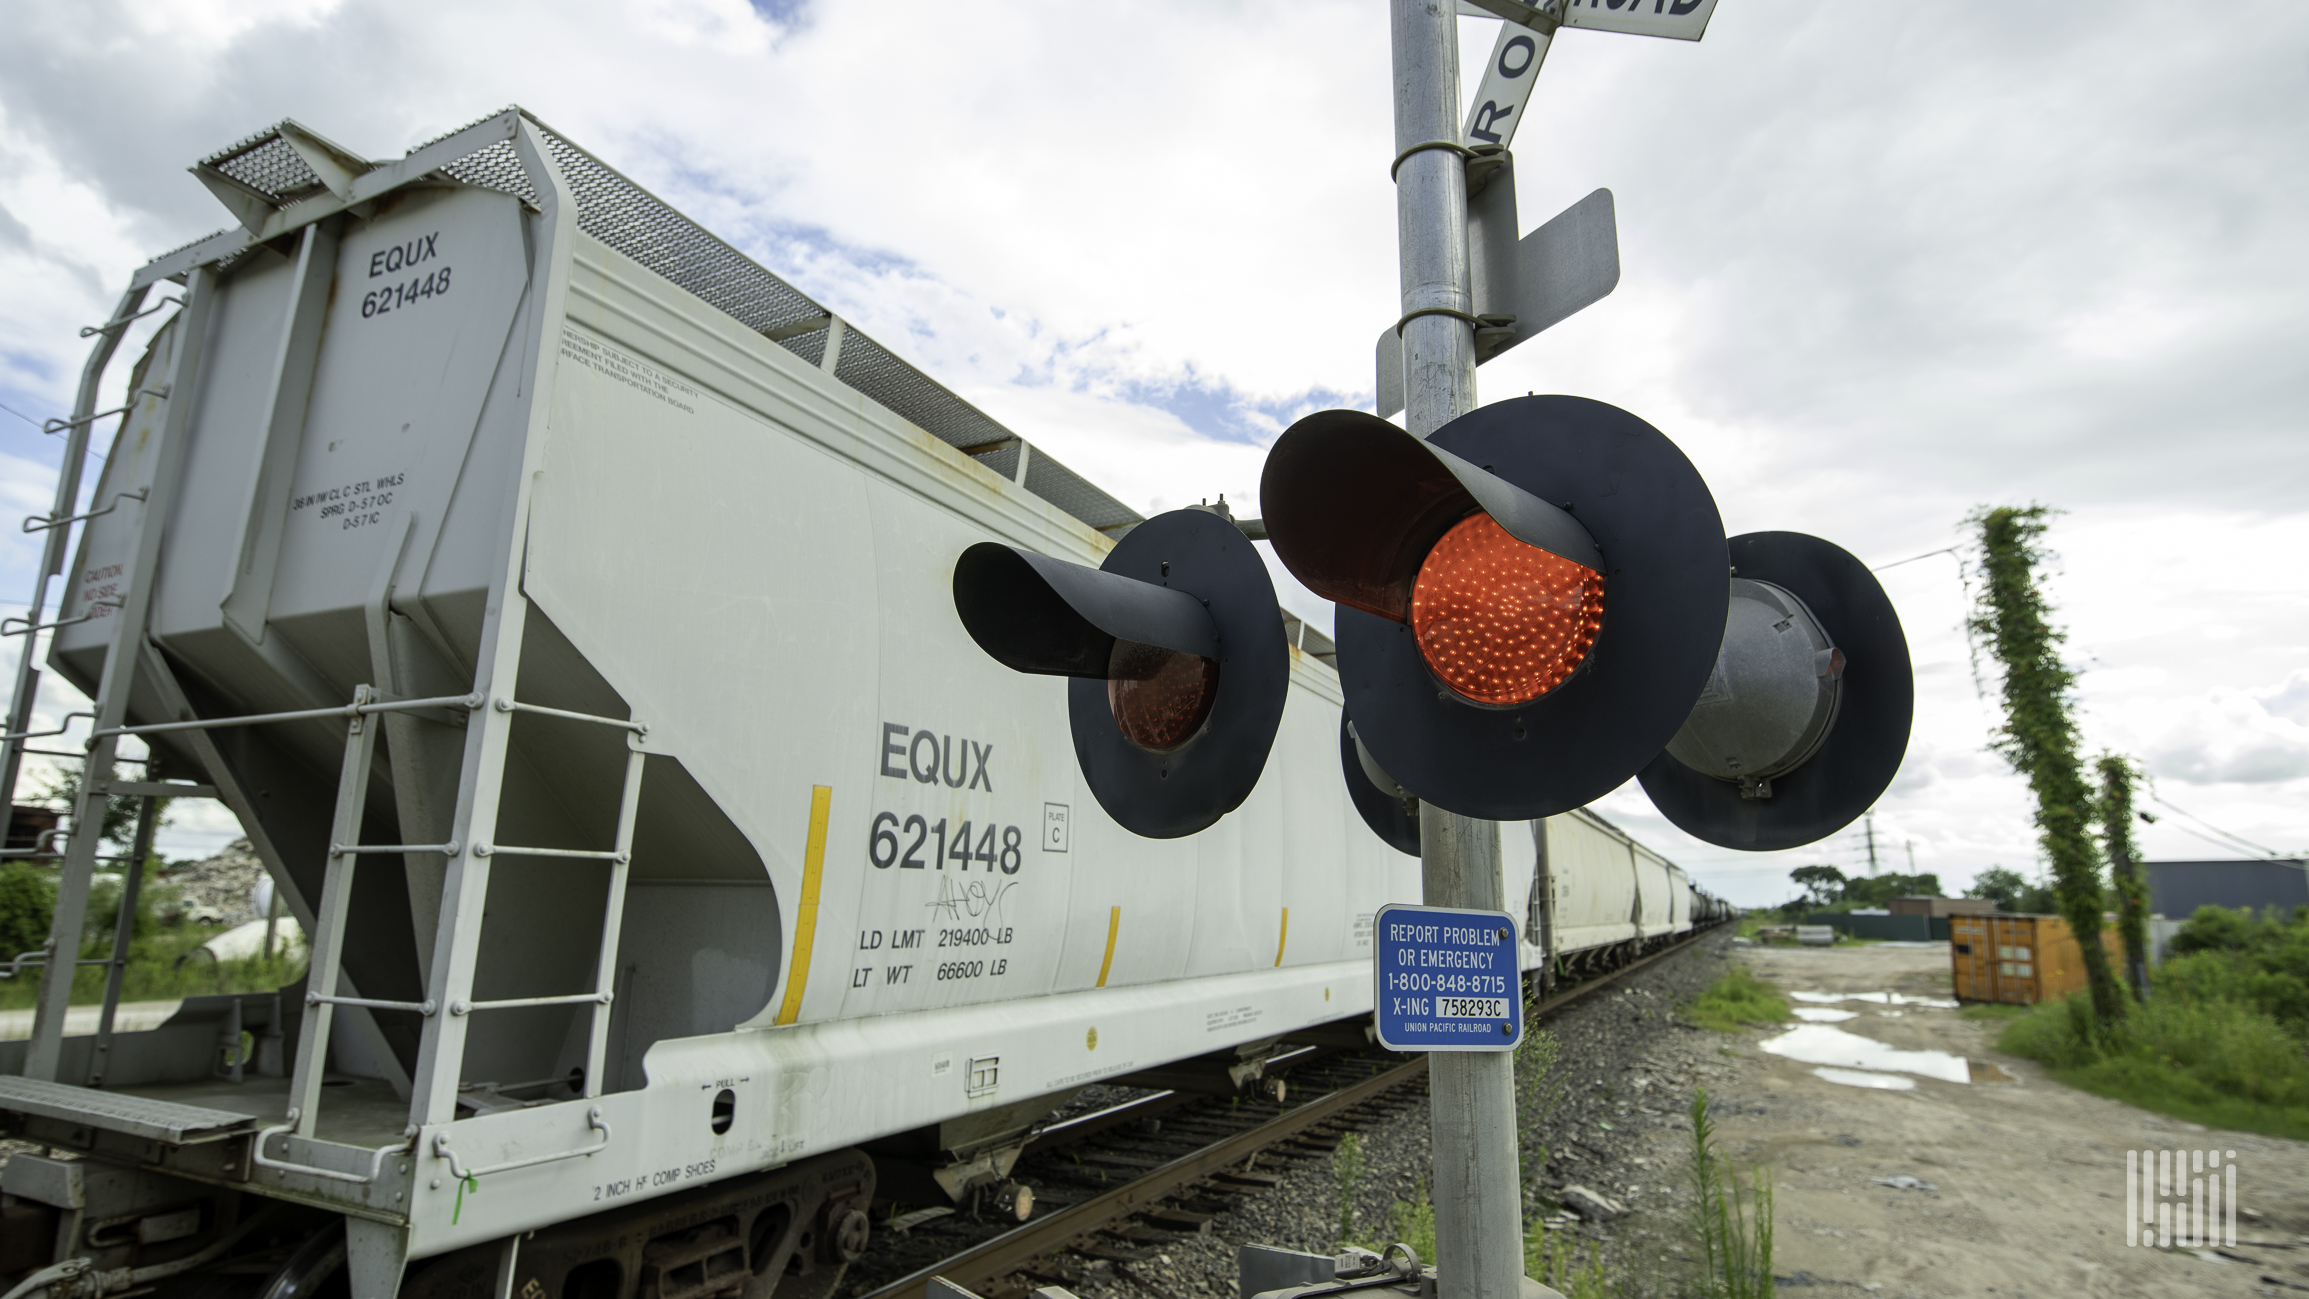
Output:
x=356 y=709
x=258 y=1157
x=593 y=1120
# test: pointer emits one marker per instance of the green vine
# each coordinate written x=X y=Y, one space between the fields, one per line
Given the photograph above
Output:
x=2116 y=809
x=2010 y=613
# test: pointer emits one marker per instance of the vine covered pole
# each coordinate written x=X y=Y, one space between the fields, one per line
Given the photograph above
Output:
x=2132 y=891
x=2039 y=734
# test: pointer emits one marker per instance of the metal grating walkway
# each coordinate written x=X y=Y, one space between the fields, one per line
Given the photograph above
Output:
x=623 y=215
x=114 y=1112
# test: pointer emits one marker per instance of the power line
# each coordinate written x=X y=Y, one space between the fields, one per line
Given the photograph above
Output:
x=26 y=418
x=2233 y=838
x=2206 y=838
x=1944 y=550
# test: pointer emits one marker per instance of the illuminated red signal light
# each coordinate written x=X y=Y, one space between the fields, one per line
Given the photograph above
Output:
x=1160 y=697
x=1499 y=621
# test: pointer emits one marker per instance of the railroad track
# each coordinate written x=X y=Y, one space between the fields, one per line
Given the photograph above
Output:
x=1173 y=1162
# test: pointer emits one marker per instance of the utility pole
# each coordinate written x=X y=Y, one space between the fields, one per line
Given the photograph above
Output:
x=1871 y=825
x=1478 y=1190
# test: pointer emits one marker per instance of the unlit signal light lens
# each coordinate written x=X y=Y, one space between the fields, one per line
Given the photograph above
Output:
x=1499 y=621
x=1160 y=697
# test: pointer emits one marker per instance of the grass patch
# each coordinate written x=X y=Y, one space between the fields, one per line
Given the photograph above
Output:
x=164 y=960
x=2223 y=1039
x=2224 y=1064
x=1736 y=1000
x=162 y=966
x=1992 y=1010
x=1552 y=1258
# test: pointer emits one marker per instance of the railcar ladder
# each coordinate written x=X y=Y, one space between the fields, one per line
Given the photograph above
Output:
x=448 y=1007
x=448 y=1004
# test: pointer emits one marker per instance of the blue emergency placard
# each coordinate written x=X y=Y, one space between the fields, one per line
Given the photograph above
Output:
x=1448 y=980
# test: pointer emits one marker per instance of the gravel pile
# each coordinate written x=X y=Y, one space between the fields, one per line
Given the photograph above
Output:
x=216 y=891
x=1624 y=1074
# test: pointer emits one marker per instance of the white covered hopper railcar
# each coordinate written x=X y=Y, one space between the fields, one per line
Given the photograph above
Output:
x=560 y=601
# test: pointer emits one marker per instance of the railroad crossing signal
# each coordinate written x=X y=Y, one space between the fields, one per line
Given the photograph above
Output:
x=1528 y=602
x=1539 y=602
x=1176 y=656
x=1805 y=717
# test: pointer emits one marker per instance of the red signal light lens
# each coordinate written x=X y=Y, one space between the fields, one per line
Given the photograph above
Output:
x=1160 y=697
x=1502 y=622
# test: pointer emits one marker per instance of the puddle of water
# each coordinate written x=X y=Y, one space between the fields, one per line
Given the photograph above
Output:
x=1820 y=1044
x=1822 y=1015
x=1890 y=1082
x=1876 y=998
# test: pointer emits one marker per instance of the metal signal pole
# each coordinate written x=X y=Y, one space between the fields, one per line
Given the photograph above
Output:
x=1478 y=1191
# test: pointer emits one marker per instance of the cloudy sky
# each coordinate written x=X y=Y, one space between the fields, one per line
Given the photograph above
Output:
x=1882 y=264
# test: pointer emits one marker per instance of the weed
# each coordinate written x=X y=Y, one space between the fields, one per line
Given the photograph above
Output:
x=1411 y=1223
x=1735 y=1243
x=1736 y=999
x=1992 y=1010
x=1552 y=1258
x=1347 y=1168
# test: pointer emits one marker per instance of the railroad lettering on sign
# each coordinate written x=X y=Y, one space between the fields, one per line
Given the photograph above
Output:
x=1676 y=20
x=1507 y=82
x=1447 y=980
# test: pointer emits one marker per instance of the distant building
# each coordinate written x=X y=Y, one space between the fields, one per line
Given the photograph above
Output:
x=25 y=826
x=1942 y=908
x=2178 y=888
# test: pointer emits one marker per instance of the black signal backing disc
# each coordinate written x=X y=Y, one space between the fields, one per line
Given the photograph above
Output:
x=1863 y=750
x=1169 y=795
x=1388 y=817
x=1665 y=590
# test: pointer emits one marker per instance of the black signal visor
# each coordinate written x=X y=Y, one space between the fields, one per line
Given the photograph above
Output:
x=1365 y=514
x=1032 y=613
x=1176 y=657
x=1862 y=752
x=1354 y=504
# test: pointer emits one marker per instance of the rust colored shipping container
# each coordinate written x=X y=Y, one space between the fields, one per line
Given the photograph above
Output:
x=2018 y=959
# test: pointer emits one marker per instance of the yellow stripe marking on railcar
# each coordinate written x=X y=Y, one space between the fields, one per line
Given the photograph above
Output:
x=1282 y=938
x=1113 y=927
x=806 y=922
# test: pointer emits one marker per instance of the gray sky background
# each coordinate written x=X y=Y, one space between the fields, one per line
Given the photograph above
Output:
x=1882 y=264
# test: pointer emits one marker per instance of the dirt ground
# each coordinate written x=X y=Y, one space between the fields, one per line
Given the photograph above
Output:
x=2028 y=1176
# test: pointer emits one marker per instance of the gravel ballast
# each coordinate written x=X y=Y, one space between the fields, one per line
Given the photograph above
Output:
x=1625 y=1070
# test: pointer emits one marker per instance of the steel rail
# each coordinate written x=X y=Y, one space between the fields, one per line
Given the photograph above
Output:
x=991 y=1259
x=1005 y=1252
